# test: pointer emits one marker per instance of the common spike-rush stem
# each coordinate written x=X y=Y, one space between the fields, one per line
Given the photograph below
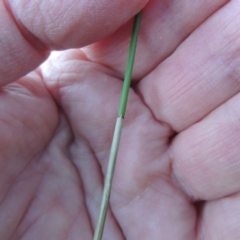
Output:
x=117 y=132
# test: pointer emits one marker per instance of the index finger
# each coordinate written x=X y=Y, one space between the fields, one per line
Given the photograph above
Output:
x=29 y=29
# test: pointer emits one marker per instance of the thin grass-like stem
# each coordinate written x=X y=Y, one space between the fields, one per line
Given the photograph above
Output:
x=117 y=132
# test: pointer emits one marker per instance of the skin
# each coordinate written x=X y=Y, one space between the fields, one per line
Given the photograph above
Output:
x=177 y=175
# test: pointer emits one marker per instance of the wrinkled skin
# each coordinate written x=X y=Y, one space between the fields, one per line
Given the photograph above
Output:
x=178 y=171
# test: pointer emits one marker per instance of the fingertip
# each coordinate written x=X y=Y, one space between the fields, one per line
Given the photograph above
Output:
x=31 y=28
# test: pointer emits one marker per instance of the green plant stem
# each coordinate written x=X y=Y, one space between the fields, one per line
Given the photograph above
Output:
x=117 y=132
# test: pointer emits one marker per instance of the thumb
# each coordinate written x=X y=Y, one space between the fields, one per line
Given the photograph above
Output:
x=29 y=29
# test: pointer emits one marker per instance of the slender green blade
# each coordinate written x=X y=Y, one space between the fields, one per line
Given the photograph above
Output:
x=129 y=68
x=117 y=132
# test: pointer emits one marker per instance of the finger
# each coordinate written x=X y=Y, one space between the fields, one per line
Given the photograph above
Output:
x=165 y=24
x=28 y=118
x=143 y=192
x=201 y=75
x=220 y=219
x=30 y=28
x=206 y=155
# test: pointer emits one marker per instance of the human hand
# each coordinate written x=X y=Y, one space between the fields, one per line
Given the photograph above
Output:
x=177 y=175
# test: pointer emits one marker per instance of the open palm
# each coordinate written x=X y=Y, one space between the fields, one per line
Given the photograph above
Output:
x=177 y=175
